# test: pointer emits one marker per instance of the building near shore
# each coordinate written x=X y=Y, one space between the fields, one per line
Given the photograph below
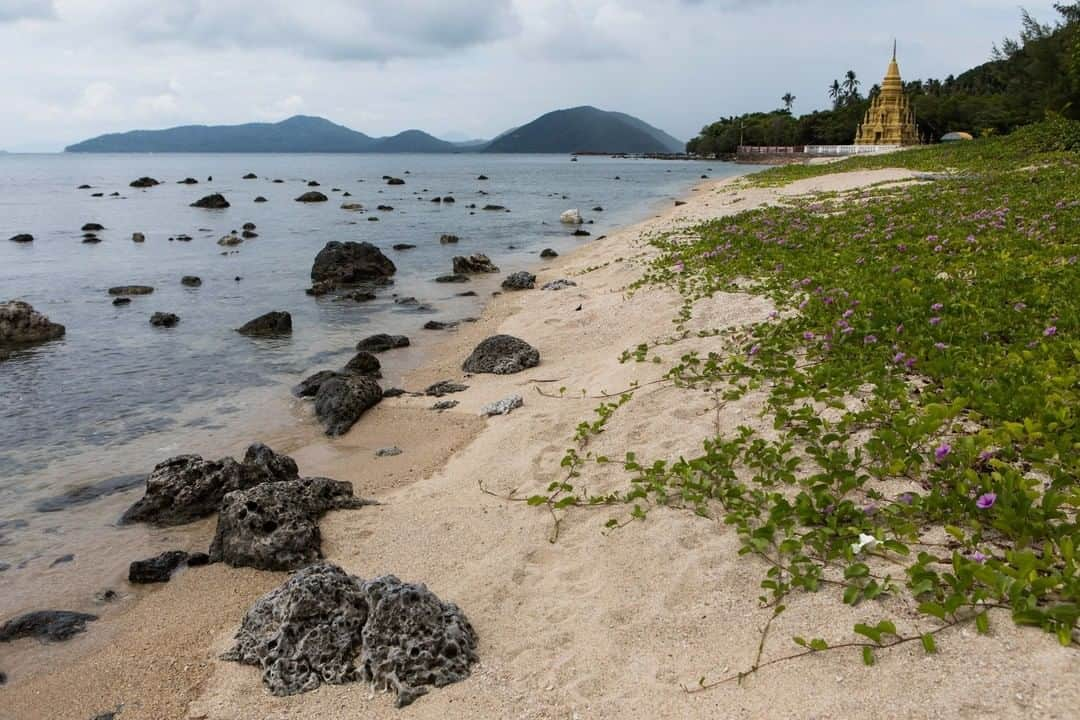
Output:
x=890 y=119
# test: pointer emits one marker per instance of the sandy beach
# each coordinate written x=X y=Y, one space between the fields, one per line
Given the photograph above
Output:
x=595 y=625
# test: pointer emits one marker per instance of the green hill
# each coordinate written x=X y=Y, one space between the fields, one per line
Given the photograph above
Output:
x=585 y=129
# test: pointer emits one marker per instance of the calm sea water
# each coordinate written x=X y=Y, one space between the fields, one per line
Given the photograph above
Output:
x=116 y=395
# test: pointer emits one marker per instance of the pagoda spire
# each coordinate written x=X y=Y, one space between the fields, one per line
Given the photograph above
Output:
x=894 y=49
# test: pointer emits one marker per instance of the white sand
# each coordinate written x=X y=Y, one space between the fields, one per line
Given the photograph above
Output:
x=593 y=626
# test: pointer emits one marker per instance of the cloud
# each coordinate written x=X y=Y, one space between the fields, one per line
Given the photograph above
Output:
x=14 y=10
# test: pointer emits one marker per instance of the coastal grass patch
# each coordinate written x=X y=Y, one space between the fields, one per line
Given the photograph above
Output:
x=922 y=375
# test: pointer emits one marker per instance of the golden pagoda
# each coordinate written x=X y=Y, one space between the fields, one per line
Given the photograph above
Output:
x=890 y=119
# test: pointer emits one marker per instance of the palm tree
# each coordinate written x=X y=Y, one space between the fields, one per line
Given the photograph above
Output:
x=788 y=99
x=835 y=91
x=851 y=85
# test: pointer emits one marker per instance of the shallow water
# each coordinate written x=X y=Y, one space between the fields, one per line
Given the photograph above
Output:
x=116 y=395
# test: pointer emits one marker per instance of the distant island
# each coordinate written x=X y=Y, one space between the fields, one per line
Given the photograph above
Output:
x=579 y=129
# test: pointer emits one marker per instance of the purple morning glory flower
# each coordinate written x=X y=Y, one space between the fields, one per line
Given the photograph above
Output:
x=898 y=358
x=935 y=321
x=936 y=307
x=848 y=313
x=942 y=451
x=808 y=335
x=986 y=501
x=1050 y=331
x=940 y=345
x=754 y=350
x=978 y=557
x=679 y=267
x=869 y=339
x=1018 y=307
x=906 y=498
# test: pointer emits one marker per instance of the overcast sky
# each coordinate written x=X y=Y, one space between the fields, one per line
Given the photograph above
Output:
x=77 y=68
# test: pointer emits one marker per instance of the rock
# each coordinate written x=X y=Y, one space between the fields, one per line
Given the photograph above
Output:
x=395 y=181
x=436 y=199
x=248 y=226
x=191 y=281
x=467 y=293
x=502 y=407
x=560 y=284
x=482 y=177
x=448 y=239
x=121 y=301
x=438 y=325
x=85 y=494
x=519 y=281
x=598 y=209
x=341 y=400
x=216 y=201
x=131 y=290
x=493 y=207
x=448 y=199
x=384 y=208
x=325 y=626
x=358 y=296
x=45 y=625
x=198 y=559
x=144 y=182
x=409 y=300
x=93 y=227
x=274 y=526
x=22 y=238
x=477 y=263
x=157 y=569
x=382 y=342
x=260 y=199
x=347 y=263
x=138 y=237
x=250 y=176
x=84 y=186
x=352 y=206
x=249 y=234
x=393 y=392
x=388 y=451
x=91 y=238
x=277 y=322
x=445 y=405
x=63 y=559
x=548 y=253
x=105 y=596
x=188 y=181
x=21 y=324
x=312 y=196
x=364 y=363
x=186 y=487
x=502 y=355
x=571 y=217
x=404 y=246
x=309 y=386
x=679 y=202
x=372 y=218
x=453 y=278
x=97 y=194
x=164 y=319
x=582 y=233
x=313 y=183
x=444 y=387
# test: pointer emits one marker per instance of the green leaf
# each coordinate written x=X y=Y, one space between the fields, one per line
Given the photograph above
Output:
x=537 y=500
x=800 y=641
x=819 y=644
x=982 y=623
x=928 y=643
x=868 y=656
x=934 y=609
x=857 y=570
x=874 y=633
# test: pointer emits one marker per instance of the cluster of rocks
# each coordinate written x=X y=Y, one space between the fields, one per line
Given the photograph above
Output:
x=21 y=324
x=521 y=280
x=341 y=264
x=474 y=264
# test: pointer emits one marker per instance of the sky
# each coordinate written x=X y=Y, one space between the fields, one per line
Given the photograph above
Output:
x=74 y=69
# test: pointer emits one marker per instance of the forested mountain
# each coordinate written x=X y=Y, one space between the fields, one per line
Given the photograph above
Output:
x=585 y=129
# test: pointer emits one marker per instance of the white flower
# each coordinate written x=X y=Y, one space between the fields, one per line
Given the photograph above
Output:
x=865 y=541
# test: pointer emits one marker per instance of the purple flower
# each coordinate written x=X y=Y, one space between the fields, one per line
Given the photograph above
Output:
x=808 y=335
x=942 y=451
x=869 y=340
x=1050 y=331
x=679 y=267
x=936 y=307
x=900 y=328
x=986 y=501
x=978 y=557
x=910 y=362
x=1019 y=307
x=940 y=345
x=898 y=358
x=754 y=350
x=906 y=498
x=806 y=281
x=935 y=321
x=938 y=248
x=848 y=313
x=985 y=455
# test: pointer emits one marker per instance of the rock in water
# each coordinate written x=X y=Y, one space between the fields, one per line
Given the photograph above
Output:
x=548 y=253
x=138 y=237
x=454 y=278
x=186 y=487
x=191 y=281
x=571 y=217
x=502 y=355
x=164 y=319
x=216 y=201
x=277 y=322
x=474 y=264
x=45 y=625
x=312 y=196
x=157 y=569
x=21 y=324
x=349 y=263
x=502 y=407
x=395 y=181
x=131 y=290
x=519 y=281
x=144 y=182
x=274 y=526
x=22 y=238
x=309 y=386
x=341 y=400
x=323 y=625
x=382 y=342
x=364 y=363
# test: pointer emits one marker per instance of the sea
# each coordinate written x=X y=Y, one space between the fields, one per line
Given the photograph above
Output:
x=85 y=418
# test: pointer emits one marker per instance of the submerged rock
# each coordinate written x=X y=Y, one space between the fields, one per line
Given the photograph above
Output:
x=274 y=526
x=453 y=278
x=88 y=493
x=186 y=487
x=395 y=181
x=477 y=263
x=93 y=227
x=446 y=239
x=215 y=201
x=325 y=626
x=46 y=625
x=342 y=399
x=277 y=322
x=312 y=196
x=144 y=182
x=191 y=281
x=382 y=342
x=21 y=324
x=404 y=246
x=520 y=280
x=131 y=290
x=164 y=319
x=157 y=569
x=349 y=263
x=502 y=355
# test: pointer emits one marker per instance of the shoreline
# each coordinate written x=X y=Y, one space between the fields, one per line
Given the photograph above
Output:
x=595 y=625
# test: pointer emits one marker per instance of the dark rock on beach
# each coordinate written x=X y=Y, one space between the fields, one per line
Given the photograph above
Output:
x=188 y=181
x=439 y=325
x=521 y=280
x=350 y=263
x=364 y=363
x=274 y=526
x=46 y=625
x=309 y=386
x=312 y=196
x=325 y=626
x=548 y=253
x=444 y=387
x=502 y=355
x=138 y=237
x=164 y=319
x=342 y=399
x=477 y=263
x=452 y=278
x=277 y=322
x=382 y=342
x=250 y=176
x=186 y=487
x=216 y=201
x=157 y=569
x=358 y=296
x=21 y=324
